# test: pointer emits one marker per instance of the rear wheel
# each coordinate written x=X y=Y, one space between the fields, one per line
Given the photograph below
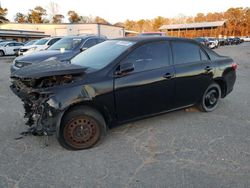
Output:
x=210 y=98
x=81 y=128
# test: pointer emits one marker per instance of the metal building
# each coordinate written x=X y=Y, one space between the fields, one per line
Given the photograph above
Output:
x=201 y=29
x=66 y=29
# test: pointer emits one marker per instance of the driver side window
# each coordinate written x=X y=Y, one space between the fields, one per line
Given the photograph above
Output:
x=89 y=43
x=149 y=56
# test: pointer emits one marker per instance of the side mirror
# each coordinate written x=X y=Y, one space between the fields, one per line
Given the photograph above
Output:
x=125 y=68
x=83 y=49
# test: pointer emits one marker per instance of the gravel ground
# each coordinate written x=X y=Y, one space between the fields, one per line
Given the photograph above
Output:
x=186 y=148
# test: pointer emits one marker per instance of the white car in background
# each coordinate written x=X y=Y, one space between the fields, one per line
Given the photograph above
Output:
x=213 y=42
x=9 y=48
x=39 y=45
x=245 y=39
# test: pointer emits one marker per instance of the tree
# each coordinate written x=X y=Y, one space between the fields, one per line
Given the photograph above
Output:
x=36 y=15
x=20 y=18
x=140 y=24
x=247 y=21
x=235 y=17
x=158 y=22
x=53 y=10
x=100 y=20
x=86 y=19
x=3 y=13
x=57 y=18
x=200 y=17
x=73 y=17
x=130 y=25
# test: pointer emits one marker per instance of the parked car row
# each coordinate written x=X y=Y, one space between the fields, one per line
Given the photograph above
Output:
x=213 y=42
x=62 y=50
x=82 y=85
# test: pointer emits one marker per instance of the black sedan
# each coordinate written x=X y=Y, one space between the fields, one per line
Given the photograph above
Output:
x=63 y=50
x=119 y=81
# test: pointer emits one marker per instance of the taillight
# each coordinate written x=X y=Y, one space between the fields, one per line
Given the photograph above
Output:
x=234 y=66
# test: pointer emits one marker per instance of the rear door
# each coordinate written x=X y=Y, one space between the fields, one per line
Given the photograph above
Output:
x=149 y=88
x=194 y=72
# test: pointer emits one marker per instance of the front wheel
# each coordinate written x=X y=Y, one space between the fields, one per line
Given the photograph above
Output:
x=210 y=98
x=81 y=128
x=1 y=53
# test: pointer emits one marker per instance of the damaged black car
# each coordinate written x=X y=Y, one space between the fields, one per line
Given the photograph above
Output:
x=119 y=81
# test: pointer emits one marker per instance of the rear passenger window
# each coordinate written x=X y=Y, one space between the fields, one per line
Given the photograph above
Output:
x=10 y=44
x=185 y=52
x=150 y=56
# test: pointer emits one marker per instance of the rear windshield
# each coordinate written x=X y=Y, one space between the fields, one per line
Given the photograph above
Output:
x=66 y=43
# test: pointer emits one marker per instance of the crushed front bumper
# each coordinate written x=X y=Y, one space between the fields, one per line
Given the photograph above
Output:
x=41 y=110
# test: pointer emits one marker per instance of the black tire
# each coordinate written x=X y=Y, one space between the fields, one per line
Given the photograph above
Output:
x=1 y=53
x=81 y=128
x=210 y=98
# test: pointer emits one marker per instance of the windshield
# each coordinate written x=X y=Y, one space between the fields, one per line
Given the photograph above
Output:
x=30 y=42
x=41 y=42
x=3 y=43
x=100 y=55
x=66 y=43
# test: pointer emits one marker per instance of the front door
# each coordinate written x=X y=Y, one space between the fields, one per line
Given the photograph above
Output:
x=149 y=88
x=9 y=49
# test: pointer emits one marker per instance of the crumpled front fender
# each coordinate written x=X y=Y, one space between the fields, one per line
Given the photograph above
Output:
x=67 y=96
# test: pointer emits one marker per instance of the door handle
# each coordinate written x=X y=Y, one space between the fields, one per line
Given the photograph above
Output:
x=208 y=68
x=168 y=76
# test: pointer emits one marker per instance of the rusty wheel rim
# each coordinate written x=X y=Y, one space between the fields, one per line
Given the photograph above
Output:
x=81 y=132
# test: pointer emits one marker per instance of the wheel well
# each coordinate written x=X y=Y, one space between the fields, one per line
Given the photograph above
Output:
x=104 y=113
x=223 y=87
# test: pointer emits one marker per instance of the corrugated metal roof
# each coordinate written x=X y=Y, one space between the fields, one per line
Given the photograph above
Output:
x=193 y=25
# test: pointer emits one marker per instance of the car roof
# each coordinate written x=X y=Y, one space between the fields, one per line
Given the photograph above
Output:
x=83 y=36
x=151 y=39
x=7 y=42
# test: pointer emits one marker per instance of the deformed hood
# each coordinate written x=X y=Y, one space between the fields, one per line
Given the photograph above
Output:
x=48 y=68
x=43 y=55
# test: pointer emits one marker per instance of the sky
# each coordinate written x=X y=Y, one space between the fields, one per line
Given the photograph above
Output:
x=118 y=11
